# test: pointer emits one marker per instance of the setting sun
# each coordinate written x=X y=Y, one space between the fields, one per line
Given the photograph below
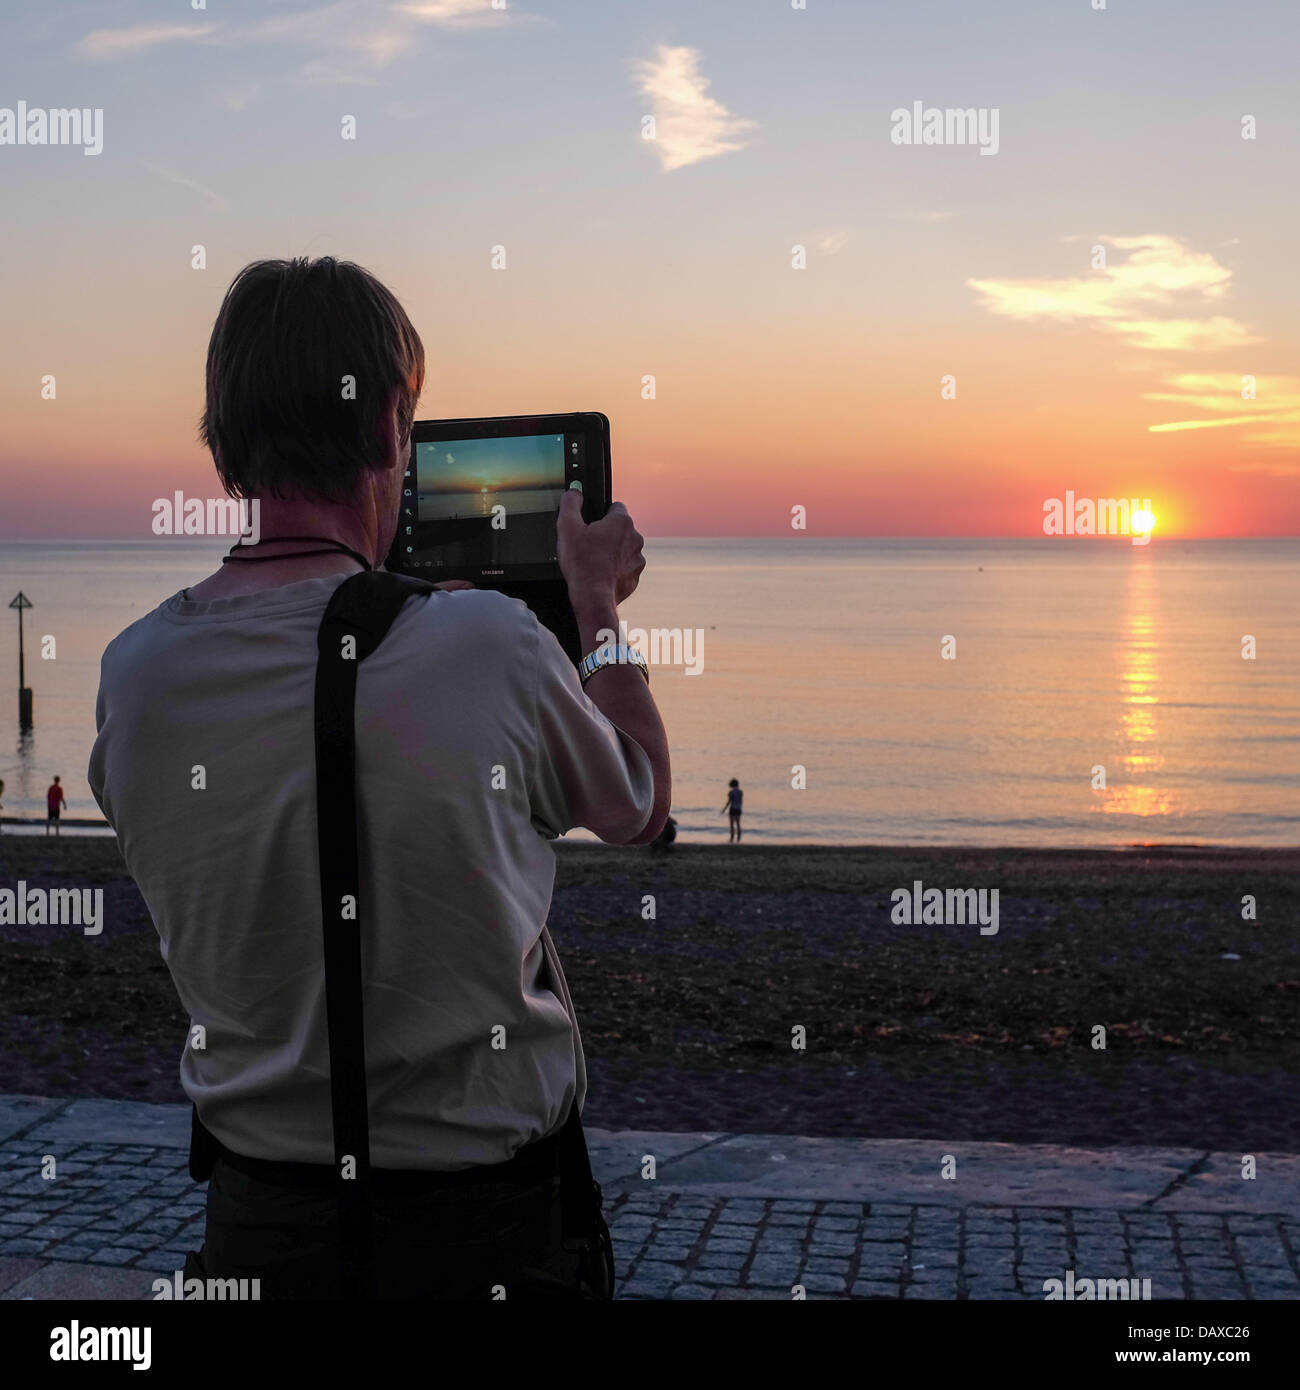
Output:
x=1142 y=521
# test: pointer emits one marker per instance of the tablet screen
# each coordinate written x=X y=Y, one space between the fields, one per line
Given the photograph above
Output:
x=480 y=497
x=486 y=502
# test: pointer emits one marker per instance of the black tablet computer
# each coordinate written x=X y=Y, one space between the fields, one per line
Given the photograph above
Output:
x=480 y=500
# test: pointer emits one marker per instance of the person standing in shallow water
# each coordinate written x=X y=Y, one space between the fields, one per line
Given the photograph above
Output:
x=732 y=808
x=54 y=800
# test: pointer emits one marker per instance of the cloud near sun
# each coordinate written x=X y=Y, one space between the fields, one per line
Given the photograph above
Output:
x=1159 y=273
x=1270 y=421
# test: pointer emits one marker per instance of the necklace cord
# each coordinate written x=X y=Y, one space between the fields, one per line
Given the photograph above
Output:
x=330 y=547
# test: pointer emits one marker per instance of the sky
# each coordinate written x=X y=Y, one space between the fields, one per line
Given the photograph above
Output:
x=1103 y=300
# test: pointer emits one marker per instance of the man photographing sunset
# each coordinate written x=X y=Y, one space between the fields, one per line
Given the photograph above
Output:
x=475 y=744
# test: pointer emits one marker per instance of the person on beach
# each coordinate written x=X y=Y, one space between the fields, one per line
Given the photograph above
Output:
x=731 y=808
x=476 y=744
x=53 y=806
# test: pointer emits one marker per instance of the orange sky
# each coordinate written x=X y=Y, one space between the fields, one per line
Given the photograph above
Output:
x=773 y=386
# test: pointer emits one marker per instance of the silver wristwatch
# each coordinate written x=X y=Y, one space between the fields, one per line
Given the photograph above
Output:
x=612 y=654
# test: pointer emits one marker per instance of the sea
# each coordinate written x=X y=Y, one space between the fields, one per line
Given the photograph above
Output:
x=1057 y=692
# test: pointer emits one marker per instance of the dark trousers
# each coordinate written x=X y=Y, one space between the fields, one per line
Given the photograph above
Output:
x=470 y=1242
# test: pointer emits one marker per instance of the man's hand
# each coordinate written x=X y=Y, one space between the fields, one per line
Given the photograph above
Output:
x=602 y=562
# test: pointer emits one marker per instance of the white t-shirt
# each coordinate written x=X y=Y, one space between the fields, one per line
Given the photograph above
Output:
x=475 y=745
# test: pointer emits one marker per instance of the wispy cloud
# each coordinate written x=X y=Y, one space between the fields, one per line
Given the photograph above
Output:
x=106 y=44
x=461 y=14
x=354 y=41
x=349 y=42
x=1126 y=298
x=690 y=125
x=1185 y=335
x=214 y=200
x=1271 y=421
x=832 y=243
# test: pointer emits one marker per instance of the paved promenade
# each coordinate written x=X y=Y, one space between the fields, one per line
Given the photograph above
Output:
x=725 y=1216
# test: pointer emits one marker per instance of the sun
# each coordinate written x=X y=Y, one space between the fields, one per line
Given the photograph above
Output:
x=1142 y=521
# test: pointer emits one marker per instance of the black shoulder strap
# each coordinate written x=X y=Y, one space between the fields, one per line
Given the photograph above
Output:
x=359 y=614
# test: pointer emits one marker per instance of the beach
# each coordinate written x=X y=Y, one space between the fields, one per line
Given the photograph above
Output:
x=910 y=1030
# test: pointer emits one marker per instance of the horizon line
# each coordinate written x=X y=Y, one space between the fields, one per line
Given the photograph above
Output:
x=181 y=541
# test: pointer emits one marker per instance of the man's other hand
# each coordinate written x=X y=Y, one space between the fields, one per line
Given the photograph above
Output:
x=601 y=562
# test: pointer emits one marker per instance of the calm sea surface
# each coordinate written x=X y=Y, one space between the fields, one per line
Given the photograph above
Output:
x=826 y=655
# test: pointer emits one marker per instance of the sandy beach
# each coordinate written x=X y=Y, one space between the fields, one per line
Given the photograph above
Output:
x=911 y=1031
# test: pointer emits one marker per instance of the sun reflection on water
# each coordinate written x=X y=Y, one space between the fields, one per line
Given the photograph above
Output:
x=1130 y=793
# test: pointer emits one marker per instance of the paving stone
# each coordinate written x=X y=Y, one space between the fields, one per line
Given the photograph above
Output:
x=717 y=1260
x=1216 y=1292
x=831 y=1247
x=1274 y=1292
x=818 y=1266
x=988 y=1287
x=823 y=1283
x=882 y=1257
x=108 y=1255
x=169 y=1261
x=719 y=1245
x=25 y=1246
x=1150 y=1230
x=57 y=1280
x=666 y=1250
x=765 y=1269
x=780 y=1238
x=788 y=1221
x=653 y=1283
x=1260 y=1252
x=934 y=1259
